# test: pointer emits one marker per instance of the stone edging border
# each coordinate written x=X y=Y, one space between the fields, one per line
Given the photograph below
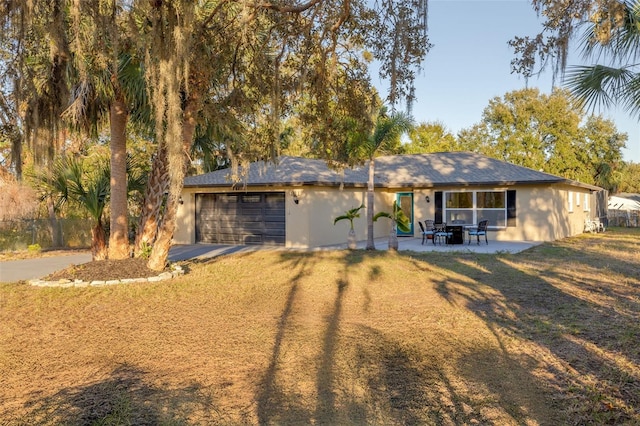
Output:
x=176 y=271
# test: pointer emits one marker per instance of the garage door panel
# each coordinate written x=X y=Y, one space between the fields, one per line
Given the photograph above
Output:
x=274 y=216
x=251 y=229
x=274 y=220
x=252 y=218
x=220 y=199
x=274 y=226
x=224 y=239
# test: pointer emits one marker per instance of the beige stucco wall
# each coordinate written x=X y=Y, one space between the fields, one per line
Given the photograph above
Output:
x=308 y=223
x=318 y=207
x=542 y=213
x=185 y=232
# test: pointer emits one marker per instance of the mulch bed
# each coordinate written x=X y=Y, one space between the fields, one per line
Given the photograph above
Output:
x=105 y=270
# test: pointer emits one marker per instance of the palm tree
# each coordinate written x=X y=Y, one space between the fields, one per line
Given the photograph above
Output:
x=350 y=215
x=69 y=181
x=84 y=183
x=399 y=221
x=384 y=139
x=110 y=83
x=617 y=83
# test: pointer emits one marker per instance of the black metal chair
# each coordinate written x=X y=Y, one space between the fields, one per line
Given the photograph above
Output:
x=428 y=231
x=441 y=233
x=478 y=231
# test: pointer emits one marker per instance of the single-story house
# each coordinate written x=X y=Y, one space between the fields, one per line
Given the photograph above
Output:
x=293 y=202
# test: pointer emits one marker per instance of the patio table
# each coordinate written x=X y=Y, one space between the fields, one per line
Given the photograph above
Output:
x=457 y=233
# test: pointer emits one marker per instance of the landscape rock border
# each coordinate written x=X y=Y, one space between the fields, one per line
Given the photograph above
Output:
x=176 y=271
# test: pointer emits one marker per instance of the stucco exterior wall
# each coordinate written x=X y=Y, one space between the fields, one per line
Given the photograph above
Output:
x=543 y=213
x=185 y=232
x=309 y=223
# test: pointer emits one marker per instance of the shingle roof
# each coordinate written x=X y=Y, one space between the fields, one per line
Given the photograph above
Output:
x=418 y=170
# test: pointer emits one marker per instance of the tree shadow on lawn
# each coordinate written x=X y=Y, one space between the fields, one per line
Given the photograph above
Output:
x=590 y=328
x=274 y=402
x=387 y=380
x=123 y=398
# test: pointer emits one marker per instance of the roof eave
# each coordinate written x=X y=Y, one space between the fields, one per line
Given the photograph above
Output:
x=243 y=186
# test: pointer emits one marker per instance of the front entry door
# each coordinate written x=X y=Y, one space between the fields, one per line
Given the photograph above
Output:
x=405 y=201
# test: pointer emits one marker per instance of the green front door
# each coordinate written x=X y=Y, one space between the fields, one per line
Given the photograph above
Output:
x=405 y=201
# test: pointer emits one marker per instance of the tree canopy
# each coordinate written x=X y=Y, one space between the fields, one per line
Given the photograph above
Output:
x=235 y=70
x=608 y=33
x=551 y=133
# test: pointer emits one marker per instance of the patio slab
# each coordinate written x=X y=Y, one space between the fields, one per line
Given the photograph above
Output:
x=415 y=244
x=203 y=251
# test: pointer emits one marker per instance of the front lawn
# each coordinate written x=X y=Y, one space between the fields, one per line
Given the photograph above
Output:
x=548 y=336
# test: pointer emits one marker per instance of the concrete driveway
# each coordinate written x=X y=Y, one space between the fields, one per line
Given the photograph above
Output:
x=27 y=269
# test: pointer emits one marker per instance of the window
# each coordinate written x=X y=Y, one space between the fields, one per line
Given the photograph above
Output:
x=473 y=206
x=577 y=199
x=460 y=200
x=570 y=198
x=459 y=207
x=492 y=205
x=586 y=205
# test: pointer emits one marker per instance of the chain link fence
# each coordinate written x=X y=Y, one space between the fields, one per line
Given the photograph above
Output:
x=60 y=233
x=624 y=218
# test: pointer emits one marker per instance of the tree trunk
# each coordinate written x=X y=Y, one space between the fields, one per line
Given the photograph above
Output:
x=393 y=238
x=157 y=186
x=119 y=225
x=352 y=242
x=16 y=150
x=370 y=198
x=160 y=252
x=98 y=242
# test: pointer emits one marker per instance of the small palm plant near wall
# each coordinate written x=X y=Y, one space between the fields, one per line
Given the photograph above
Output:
x=399 y=221
x=350 y=215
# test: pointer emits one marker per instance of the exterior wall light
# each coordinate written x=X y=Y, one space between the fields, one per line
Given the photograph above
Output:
x=427 y=198
x=296 y=193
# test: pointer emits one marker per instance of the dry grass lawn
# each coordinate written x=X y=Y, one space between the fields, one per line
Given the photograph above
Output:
x=546 y=337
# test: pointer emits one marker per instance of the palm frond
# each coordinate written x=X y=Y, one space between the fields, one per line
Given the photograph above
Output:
x=386 y=133
x=382 y=214
x=136 y=174
x=349 y=215
x=398 y=216
x=632 y=101
x=133 y=84
x=601 y=86
x=343 y=217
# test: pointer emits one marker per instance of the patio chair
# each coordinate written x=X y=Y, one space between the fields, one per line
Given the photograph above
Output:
x=478 y=231
x=428 y=231
x=441 y=233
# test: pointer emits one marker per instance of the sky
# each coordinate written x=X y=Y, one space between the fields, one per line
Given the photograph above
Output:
x=469 y=64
